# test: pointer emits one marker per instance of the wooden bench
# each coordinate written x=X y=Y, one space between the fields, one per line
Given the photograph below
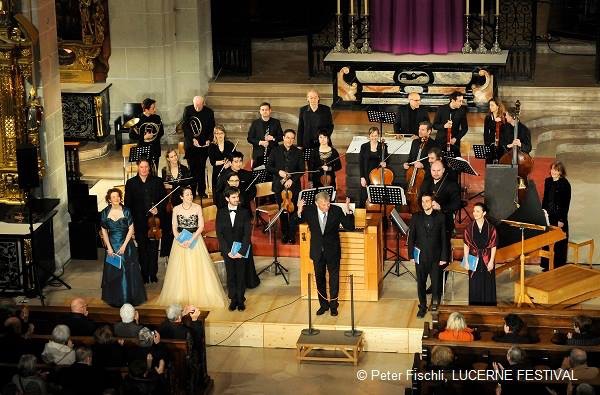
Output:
x=190 y=365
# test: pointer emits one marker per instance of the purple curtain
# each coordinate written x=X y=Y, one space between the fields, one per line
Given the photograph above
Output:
x=417 y=26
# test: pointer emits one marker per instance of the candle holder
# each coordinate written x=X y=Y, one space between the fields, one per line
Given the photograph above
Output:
x=338 y=45
x=496 y=47
x=467 y=45
x=366 y=47
x=481 y=49
x=352 y=48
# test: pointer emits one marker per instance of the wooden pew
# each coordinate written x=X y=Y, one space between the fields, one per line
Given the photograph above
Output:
x=189 y=361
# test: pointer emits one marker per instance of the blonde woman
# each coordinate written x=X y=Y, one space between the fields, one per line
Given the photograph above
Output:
x=219 y=154
x=456 y=329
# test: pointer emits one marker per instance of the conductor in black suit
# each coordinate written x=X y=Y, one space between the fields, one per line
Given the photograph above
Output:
x=454 y=116
x=233 y=223
x=427 y=233
x=409 y=116
x=324 y=222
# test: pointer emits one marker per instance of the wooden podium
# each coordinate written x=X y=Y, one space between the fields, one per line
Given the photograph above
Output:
x=362 y=256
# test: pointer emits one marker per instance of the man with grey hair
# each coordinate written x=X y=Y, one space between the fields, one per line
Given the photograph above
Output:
x=129 y=326
x=324 y=222
x=59 y=350
x=179 y=321
x=576 y=362
x=198 y=124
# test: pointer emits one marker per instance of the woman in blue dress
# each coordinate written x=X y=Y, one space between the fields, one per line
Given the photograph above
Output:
x=124 y=284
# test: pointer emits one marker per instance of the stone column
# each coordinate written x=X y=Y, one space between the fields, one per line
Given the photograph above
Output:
x=160 y=49
x=54 y=184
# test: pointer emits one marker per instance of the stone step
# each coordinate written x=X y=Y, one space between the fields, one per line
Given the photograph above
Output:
x=571 y=47
x=564 y=121
x=243 y=113
x=522 y=93
x=325 y=90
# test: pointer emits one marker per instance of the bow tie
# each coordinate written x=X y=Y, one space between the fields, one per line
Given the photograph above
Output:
x=232 y=211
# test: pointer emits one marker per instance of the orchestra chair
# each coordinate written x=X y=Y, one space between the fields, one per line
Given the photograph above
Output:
x=128 y=167
x=263 y=190
x=455 y=266
x=209 y=214
x=576 y=242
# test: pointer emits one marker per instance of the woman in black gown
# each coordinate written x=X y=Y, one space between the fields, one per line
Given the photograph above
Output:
x=494 y=119
x=556 y=202
x=173 y=171
x=480 y=241
x=325 y=156
x=219 y=154
x=122 y=284
x=369 y=159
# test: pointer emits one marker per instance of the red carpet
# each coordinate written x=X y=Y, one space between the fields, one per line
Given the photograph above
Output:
x=474 y=184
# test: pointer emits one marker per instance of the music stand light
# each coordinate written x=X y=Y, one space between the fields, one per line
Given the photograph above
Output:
x=523 y=297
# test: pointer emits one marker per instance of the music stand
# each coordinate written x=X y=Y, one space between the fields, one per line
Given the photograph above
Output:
x=462 y=166
x=449 y=154
x=523 y=297
x=309 y=194
x=381 y=117
x=139 y=152
x=279 y=268
x=307 y=153
x=259 y=175
x=386 y=194
x=481 y=152
x=402 y=228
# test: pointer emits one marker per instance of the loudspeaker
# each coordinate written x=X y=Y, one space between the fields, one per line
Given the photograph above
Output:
x=500 y=190
x=27 y=166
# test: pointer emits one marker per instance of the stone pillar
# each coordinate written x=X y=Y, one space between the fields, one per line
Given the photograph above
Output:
x=54 y=184
x=160 y=49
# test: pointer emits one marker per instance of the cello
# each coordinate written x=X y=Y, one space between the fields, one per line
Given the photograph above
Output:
x=517 y=157
x=414 y=179
x=381 y=176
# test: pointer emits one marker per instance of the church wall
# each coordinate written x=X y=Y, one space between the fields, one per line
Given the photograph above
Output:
x=160 y=49
x=51 y=134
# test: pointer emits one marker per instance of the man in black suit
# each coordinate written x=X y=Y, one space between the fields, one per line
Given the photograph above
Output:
x=427 y=249
x=141 y=193
x=451 y=116
x=507 y=134
x=420 y=148
x=237 y=177
x=324 y=222
x=286 y=159
x=410 y=116
x=198 y=126
x=313 y=118
x=233 y=225
x=77 y=320
x=264 y=135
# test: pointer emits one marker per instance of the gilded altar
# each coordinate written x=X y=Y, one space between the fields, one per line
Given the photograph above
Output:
x=17 y=39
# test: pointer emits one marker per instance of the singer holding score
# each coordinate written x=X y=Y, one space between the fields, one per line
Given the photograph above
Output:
x=191 y=277
x=121 y=278
x=451 y=123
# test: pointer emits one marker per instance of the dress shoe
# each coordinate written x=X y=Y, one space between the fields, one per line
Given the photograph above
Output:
x=284 y=240
x=232 y=306
x=334 y=311
x=322 y=310
x=422 y=312
x=241 y=307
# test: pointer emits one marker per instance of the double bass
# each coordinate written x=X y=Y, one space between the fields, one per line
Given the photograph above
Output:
x=414 y=179
x=517 y=157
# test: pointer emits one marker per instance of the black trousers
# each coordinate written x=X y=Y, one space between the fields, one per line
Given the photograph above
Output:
x=197 y=163
x=433 y=270
x=333 y=267
x=236 y=279
x=148 y=252
x=289 y=225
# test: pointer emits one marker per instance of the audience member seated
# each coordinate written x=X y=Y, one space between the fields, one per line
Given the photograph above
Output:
x=582 y=334
x=28 y=380
x=456 y=329
x=151 y=350
x=128 y=327
x=78 y=321
x=82 y=375
x=442 y=357
x=180 y=321
x=138 y=382
x=107 y=351
x=59 y=350
x=513 y=325
x=13 y=342
x=584 y=389
x=577 y=363
x=516 y=360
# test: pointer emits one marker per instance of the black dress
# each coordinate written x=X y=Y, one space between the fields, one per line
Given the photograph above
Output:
x=369 y=160
x=482 y=283
x=167 y=230
x=318 y=159
x=556 y=202
x=215 y=154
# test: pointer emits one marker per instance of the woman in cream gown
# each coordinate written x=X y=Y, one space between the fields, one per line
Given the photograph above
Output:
x=191 y=278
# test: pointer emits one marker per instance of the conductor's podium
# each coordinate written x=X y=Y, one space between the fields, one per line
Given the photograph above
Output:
x=362 y=256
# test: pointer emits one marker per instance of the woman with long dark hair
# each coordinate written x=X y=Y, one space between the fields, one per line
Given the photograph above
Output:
x=324 y=161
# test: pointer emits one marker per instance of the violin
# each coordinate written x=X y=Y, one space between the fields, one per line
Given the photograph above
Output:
x=154 y=230
x=286 y=200
x=326 y=178
x=414 y=178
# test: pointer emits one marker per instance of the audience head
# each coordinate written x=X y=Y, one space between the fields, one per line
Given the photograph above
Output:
x=127 y=313
x=585 y=389
x=174 y=312
x=456 y=322
x=145 y=337
x=83 y=355
x=27 y=365
x=137 y=369
x=79 y=305
x=577 y=357
x=515 y=355
x=513 y=323
x=61 y=334
x=103 y=335
x=582 y=324
x=13 y=325
x=442 y=356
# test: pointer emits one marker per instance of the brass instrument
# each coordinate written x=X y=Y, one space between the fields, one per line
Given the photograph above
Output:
x=149 y=130
x=196 y=126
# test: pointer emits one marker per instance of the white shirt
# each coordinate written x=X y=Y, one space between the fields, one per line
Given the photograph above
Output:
x=232 y=213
